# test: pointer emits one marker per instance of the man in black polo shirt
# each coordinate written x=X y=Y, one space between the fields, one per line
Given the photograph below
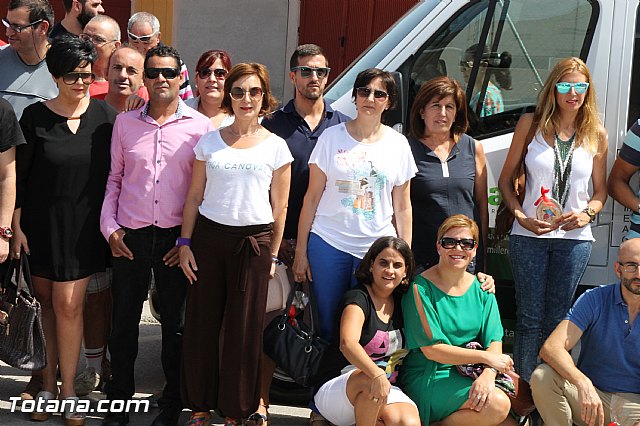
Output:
x=300 y=122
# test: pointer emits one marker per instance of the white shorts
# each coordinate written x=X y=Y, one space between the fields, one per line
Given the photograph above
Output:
x=332 y=402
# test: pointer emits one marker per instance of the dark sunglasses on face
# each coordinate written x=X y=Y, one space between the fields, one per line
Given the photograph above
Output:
x=564 y=87
x=71 y=78
x=19 y=28
x=365 y=92
x=143 y=39
x=168 y=73
x=305 y=72
x=464 y=243
x=237 y=93
x=206 y=72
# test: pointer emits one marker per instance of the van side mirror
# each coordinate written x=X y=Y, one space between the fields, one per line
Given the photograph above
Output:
x=394 y=117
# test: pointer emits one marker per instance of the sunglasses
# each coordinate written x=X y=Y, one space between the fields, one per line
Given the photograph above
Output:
x=71 y=78
x=564 y=87
x=18 y=28
x=365 y=92
x=168 y=73
x=206 y=72
x=464 y=243
x=237 y=93
x=143 y=39
x=469 y=64
x=305 y=72
x=95 y=39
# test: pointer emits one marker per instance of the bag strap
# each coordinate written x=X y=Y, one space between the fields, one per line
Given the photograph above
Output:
x=20 y=269
x=529 y=138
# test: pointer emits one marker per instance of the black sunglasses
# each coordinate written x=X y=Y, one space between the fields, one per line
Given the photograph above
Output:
x=464 y=243
x=364 y=92
x=19 y=28
x=237 y=93
x=218 y=72
x=305 y=72
x=143 y=39
x=168 y=73
x=71 y=78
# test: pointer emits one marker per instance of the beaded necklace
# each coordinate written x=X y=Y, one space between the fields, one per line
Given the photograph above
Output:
x=562 y=159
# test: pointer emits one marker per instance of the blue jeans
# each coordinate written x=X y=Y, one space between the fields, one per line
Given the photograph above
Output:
x=546 y=272
x=333 y=274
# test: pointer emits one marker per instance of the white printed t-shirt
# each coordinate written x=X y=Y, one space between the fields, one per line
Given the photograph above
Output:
x=356 y=206
x=238 y=180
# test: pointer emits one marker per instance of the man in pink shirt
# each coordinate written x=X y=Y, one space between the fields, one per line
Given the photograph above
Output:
x=151 y=162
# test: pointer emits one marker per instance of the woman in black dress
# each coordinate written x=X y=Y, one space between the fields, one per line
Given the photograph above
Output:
x=61 y=177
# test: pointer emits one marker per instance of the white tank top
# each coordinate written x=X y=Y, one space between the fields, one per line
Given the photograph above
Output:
x=539 y=164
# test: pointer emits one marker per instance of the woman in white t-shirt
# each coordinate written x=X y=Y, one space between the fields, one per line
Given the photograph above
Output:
x=359 y=181
x=233 y=221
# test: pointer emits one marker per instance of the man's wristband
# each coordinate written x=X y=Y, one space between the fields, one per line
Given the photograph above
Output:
x=183 y=242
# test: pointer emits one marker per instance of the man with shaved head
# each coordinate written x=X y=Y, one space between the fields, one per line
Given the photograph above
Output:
x=604 y=385
x=104 y=32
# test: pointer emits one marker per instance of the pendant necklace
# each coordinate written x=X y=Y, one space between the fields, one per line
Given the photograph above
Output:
x=562 y=159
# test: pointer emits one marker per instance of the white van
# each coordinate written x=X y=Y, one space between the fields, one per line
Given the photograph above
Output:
x=430 y=40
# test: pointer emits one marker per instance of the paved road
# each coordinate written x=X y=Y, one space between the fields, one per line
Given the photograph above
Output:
x=149 y=379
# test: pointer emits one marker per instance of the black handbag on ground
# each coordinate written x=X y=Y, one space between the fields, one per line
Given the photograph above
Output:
x=294 y=345
x=22 y=343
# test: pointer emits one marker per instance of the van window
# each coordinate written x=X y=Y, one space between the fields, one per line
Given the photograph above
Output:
x=502 y=51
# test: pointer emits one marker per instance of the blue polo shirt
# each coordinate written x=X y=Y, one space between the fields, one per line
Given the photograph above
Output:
x=630 y=152
x=610 y=353
x=290 y=126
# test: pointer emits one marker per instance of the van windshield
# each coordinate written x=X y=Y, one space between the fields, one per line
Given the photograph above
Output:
x=380 y=48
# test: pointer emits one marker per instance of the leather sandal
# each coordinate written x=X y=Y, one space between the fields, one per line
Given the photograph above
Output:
x=72 y=418
x=41 y=416
x=199 y=418
x=259 y=419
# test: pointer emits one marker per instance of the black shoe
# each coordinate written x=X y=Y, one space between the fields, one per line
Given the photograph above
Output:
x=116 y=419
x=167 y=417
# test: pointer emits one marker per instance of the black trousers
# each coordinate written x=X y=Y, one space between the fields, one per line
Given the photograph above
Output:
x=130 y=288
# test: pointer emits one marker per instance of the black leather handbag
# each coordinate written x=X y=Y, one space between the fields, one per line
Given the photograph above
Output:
x=294 y=345
x=22 y=343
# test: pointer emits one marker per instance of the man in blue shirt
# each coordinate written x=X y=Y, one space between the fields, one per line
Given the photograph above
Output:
x=604 y=384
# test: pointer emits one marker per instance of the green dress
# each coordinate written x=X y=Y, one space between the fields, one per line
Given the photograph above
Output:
x=438 y=389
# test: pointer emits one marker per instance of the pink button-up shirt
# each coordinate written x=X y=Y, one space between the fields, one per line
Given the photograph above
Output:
x=151 y=167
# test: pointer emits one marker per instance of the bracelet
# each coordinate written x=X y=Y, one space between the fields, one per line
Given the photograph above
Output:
x=275 y=259
x=381 y=374
x=495 y=370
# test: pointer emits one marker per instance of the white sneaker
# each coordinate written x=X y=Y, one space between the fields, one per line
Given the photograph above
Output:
x=86 y=381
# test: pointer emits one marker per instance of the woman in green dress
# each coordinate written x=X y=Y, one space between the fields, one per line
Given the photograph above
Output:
x=445 y=309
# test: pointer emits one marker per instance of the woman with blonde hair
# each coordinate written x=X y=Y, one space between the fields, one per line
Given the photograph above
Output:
x=551 y=239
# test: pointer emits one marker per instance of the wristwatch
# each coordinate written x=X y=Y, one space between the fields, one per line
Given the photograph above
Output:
x=590 y=212
x=183 y=242
x=6 y=232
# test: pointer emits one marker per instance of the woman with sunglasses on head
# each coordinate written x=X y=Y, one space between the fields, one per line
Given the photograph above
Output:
x=211 y=71
x=445 y=309
x=452 y=170
x=359 y=370
x=358 y=190
x=551 y=239
x=62 y=174
x=233 y=223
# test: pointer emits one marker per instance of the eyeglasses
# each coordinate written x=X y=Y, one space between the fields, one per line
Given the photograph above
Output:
x=469 y=64
x=168 y=73
x=365 y=92
x=18 y=28
x=305 y=72
x=95 y=39
x=564 y=87
x=629 y=267
x=71 y=78
x=237 y=93
x=218 y=72
x=143 y=39
x=464 y=243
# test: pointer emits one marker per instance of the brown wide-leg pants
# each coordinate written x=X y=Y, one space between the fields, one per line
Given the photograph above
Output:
x=222 y=342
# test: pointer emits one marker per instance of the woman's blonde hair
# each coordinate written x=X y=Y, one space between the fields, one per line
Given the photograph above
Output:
x=587 y=121
x=459 y=221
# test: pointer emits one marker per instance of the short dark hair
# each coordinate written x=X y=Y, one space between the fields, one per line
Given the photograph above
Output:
x=365 y=77
x=38 y=9
x=69 y=52
x=439 y=88
x=363 y=273
x=67 y=4
x=241 y=70
x=209 y=57
x=306 y=50
x=164 y=51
